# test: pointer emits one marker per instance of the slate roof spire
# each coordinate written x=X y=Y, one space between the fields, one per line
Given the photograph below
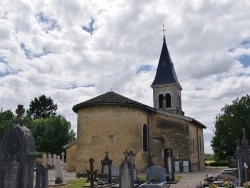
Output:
x=165 y=73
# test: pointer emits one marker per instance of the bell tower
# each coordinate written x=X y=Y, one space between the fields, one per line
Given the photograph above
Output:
x=166 y=87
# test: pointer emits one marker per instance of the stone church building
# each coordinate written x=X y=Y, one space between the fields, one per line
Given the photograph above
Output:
x=114 y=123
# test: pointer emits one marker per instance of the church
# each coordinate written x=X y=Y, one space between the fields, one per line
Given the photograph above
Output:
x=114 y=123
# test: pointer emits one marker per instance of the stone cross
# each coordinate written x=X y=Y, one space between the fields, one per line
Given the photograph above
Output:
x=163 y=30
x=59 y=171
x=91 y=173
x=63 y=154
x=19 y=111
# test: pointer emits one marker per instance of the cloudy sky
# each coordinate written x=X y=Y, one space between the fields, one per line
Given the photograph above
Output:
x=75 y=50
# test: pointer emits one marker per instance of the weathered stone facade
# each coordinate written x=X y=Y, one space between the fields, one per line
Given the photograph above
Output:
x=115 y=128
x=114 y=123
x=109 y=128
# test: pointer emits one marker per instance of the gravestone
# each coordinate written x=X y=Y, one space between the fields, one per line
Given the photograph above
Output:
x=50 y=160
x=54 y=160
x=41 y=176
x=17 y=155
x=156 y=172
x=59 y=171
x=114 y=171
x=242 y=154
x=63 y=155
x=106 y=168
x=156 y=178
x=126 y=178
x=44 y=159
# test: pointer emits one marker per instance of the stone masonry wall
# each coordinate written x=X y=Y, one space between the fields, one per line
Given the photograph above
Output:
x=185 y=138
x=109 y=128
x=71 y=158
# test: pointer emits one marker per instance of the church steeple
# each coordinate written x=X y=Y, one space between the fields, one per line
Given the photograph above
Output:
x=165 y=71
x=166 y=87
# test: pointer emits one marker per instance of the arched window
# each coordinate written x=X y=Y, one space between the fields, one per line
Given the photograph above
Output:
x=168 y=100
x=160 y=101
x=145 y=137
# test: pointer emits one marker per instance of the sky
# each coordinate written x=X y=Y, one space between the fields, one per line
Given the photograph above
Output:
x=75 y=50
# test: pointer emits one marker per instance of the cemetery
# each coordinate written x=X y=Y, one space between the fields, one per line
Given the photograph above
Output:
x=18 y=164
x=20 y=167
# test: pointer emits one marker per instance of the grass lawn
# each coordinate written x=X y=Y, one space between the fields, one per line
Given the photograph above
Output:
x=77 y=183
x=177 y=177
x=209 y=161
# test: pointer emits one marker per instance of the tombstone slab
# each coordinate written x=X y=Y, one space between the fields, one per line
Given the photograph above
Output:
x=156 y=177
x=50 y=160
x=41 y=176
x=54 y=160
x=126 y=179
x=17 y=158
x=44 y=159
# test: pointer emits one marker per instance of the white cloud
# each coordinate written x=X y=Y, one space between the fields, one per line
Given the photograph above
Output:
x=69 y=64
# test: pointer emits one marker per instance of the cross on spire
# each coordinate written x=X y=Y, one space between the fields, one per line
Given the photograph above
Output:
x=163 y=30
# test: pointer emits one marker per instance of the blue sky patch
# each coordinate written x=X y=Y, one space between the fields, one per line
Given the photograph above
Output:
x=244 y=60
x=9 y=71
x=30 y=55
x=50 y=23
x=90 y=29
x=3 y=59
x=244 y=44
x=144 y=68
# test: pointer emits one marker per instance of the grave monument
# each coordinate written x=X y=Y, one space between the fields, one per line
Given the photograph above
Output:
x=242 y=155
x=17 y=155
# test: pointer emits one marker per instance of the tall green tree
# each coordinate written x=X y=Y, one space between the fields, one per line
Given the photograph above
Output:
x=7 y=118
x=42 y=107
x=228 y=127
x=51 y=134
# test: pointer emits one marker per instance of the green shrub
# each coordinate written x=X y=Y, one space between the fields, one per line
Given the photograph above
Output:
x=218 y=164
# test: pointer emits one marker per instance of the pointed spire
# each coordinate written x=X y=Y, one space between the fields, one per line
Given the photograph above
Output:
x=165 y=71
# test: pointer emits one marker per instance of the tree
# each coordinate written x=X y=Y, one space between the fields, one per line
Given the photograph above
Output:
x=42 y=107
x=7 y=118
x=228 y=127
x=51 y=134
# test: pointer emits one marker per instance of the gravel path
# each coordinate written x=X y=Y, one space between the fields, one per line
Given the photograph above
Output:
x=191 y=179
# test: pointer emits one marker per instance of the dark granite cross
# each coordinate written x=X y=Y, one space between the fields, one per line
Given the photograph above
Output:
x=19 y=111
x=91 y=174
